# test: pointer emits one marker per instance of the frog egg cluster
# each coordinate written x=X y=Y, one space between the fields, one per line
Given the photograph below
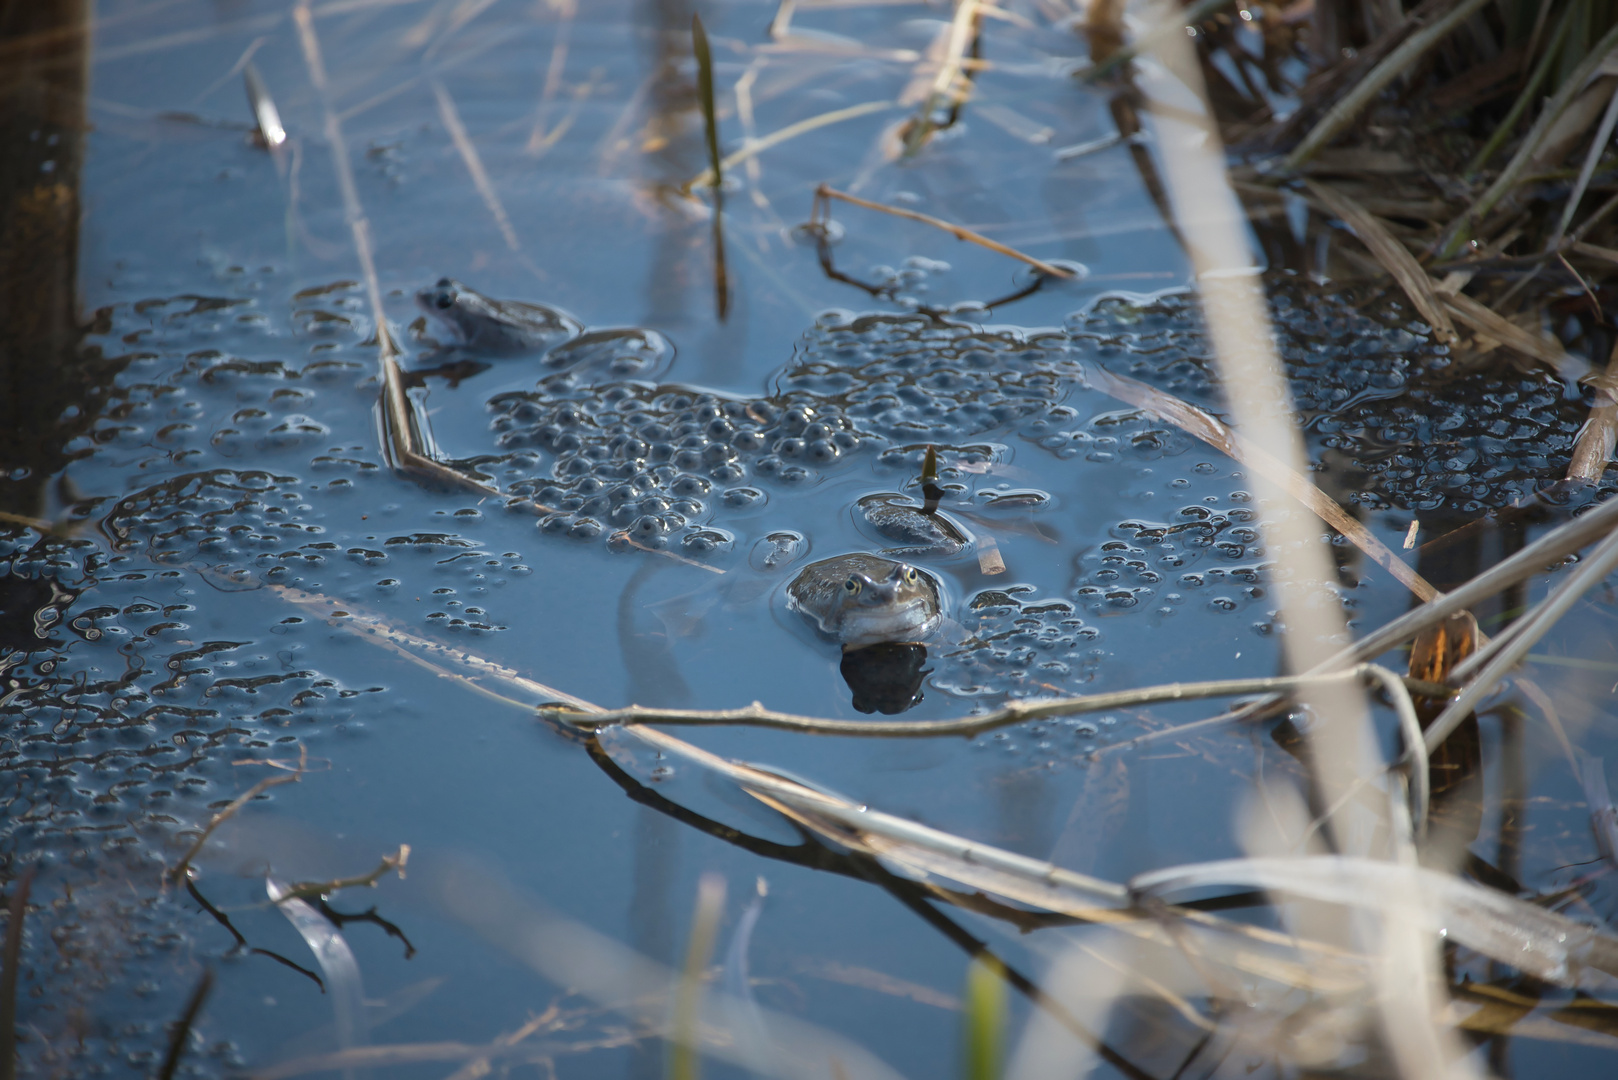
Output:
x=1397 y=420
x=1207 y=551
x=649 y=462
x=646 y=464
x=1020 y=646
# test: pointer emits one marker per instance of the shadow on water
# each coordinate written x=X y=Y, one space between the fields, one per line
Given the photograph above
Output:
x=46 y=385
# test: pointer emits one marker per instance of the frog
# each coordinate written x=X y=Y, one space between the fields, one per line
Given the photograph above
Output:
x=495 y=327
x=919 y=530
x=862 y=600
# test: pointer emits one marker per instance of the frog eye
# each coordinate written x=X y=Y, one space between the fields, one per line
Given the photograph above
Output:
x=852 y=585
x=910 y=575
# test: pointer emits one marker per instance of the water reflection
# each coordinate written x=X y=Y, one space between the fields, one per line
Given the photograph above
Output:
x=885 y=678
x=43 y=76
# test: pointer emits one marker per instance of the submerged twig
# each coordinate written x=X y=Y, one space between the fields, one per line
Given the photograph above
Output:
x=710 y=125
x=688 y=994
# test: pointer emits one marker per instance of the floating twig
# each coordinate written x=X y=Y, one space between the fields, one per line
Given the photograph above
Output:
x=1203 y=425
x=310 y=890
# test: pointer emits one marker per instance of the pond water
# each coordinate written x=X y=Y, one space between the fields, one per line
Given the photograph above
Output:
x=212 y=455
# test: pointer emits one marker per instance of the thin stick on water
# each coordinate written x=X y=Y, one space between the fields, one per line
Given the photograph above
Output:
x=755 y=147
x=451 y=116
x=1205 y=426
x=235 y=805
x=960 y=232
x=1015 y=712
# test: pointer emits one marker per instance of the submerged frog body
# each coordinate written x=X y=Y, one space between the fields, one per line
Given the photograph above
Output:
x=918 y=530
x=862 y=599
x=495 y=327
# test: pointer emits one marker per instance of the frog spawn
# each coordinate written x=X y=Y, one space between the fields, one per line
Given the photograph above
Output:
x=645 y=462
x=1402 y=423
x=1020 y=646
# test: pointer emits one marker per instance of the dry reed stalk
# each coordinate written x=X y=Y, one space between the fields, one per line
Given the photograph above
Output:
x=1394 y=257
x=1460 y=230
x=960 y=232
x=1348 y=107
x=1202 y=425
x=1483 y=320
x=1342 y=750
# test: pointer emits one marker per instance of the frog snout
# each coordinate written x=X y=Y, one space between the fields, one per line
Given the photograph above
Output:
x=879 y=594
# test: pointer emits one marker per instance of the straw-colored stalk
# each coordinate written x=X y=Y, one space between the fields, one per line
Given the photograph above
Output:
x=1213 y=224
